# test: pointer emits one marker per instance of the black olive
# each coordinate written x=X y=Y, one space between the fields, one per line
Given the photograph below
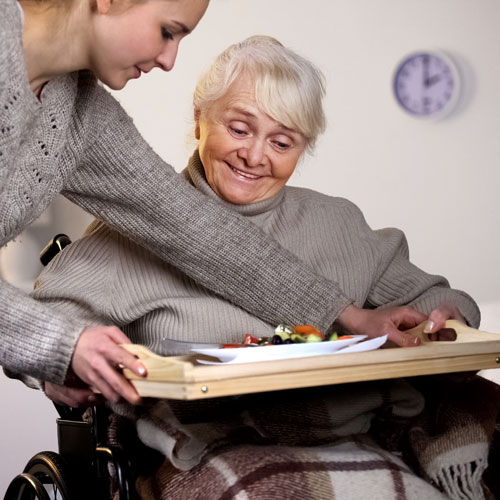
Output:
x=277 y=340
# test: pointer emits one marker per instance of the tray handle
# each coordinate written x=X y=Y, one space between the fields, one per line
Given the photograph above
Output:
x=464 y=333
x=158 y=367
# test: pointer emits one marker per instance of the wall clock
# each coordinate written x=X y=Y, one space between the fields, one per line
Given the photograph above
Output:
x=426 y=84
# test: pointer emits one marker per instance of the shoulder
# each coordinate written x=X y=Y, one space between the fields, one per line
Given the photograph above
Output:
x=313 y=203
x=337 y=214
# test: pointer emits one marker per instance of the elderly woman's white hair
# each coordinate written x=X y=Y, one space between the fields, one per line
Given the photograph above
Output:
x=289 y=88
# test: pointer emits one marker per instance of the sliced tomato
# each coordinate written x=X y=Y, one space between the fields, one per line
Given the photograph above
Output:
x=250 y=340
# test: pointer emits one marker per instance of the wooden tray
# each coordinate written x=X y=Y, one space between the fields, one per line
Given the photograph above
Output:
x=182 y=377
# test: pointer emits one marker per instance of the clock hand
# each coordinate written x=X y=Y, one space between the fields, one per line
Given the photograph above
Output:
x=426 y=70
x=432 y=80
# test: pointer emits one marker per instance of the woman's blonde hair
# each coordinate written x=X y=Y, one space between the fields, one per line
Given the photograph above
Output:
x=288 y=87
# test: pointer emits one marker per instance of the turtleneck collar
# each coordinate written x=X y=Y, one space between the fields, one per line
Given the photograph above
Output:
x=195 y=173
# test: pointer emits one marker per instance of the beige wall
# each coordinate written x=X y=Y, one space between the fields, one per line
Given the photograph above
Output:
x=436 y=181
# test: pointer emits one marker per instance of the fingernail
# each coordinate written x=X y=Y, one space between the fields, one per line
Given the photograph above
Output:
x=142 y=370
x=415 y=341
x=429 y=326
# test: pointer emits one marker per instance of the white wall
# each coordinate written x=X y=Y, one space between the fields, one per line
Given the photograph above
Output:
x=436 y=181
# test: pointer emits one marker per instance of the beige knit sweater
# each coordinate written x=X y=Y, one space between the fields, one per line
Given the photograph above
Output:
x=105 y=278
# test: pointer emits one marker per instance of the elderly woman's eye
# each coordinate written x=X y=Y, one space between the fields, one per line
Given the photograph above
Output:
x=237 y=131
x=282 y=145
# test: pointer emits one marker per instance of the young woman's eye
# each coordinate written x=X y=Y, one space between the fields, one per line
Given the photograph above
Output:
x=166 y=35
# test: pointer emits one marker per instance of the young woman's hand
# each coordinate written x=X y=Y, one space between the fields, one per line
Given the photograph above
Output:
x=379 y=322
x=98 y=361
x=438 y=317
x=76 y=397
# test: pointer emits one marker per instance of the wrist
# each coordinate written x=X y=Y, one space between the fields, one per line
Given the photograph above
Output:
x=350 y=318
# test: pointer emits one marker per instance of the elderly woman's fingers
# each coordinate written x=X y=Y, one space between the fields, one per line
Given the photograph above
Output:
x=70 y=396
x=406 y=317
x=437 y=318
x=379 y=322
x=436 y=321
x=403 y=339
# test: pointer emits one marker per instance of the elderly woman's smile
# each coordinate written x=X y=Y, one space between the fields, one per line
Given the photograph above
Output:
x=245 y=175
x=247 y=155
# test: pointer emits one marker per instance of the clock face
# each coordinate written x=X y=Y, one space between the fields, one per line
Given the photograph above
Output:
x=426 y=84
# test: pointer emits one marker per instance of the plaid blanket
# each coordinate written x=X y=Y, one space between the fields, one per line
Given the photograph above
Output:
x=352 y=441
x=352 y=468
x=450 y=441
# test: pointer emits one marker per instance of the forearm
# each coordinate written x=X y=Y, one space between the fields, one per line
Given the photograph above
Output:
x=35 y=340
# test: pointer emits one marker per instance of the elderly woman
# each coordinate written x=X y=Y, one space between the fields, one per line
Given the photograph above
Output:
x=257 y=110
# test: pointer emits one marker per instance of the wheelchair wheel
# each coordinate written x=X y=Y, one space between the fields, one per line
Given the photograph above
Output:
x=51 y=471
x=26 y=487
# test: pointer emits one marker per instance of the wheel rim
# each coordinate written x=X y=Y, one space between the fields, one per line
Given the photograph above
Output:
x=26 y=487
x=51 y=471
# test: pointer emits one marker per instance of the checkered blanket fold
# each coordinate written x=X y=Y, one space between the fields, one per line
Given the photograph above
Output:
x=353 y=441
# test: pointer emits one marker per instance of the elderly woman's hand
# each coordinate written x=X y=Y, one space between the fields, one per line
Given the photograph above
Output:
x=379 y=322
x=437 y=318
x=98 y=360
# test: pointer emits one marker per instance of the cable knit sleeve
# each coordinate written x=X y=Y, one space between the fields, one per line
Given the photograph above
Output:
x=78 y=284
x=402 y=283
x=40 y=333
x=123 y=182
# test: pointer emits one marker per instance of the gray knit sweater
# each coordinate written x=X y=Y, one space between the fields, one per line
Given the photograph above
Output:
x=77 y=140
x=105 y=278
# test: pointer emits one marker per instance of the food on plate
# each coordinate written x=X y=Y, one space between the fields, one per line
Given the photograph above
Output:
x=287 y=334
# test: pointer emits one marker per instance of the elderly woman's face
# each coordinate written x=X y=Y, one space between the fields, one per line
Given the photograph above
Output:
x=247 y=156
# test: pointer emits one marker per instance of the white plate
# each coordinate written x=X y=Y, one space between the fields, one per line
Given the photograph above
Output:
x=367 y=345
x=274 y=352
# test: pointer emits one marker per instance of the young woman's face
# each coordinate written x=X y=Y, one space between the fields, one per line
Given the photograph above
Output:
x=133 y=37
x=247 y=156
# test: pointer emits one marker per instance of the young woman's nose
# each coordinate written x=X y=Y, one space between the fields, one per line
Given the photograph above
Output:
x=254 y=152
x=166 y=58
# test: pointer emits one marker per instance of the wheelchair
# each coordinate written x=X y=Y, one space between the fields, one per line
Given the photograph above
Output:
x=80 y=470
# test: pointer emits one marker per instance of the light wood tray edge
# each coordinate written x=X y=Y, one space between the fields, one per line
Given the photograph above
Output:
x=310 y=378
x=185 y=369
